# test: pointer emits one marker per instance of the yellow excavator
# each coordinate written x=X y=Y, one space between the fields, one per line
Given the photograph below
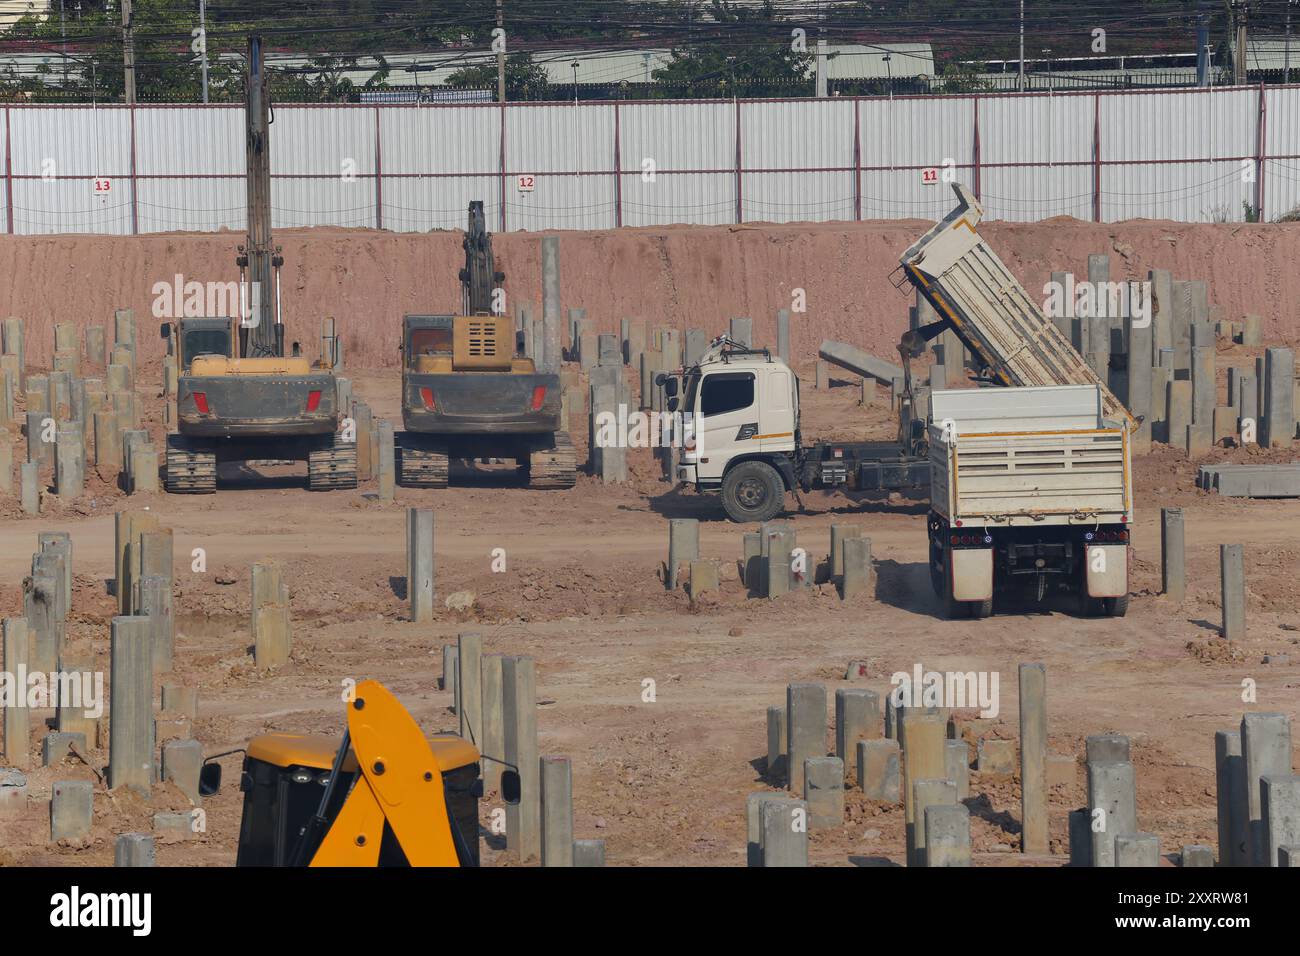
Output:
x=383 y=796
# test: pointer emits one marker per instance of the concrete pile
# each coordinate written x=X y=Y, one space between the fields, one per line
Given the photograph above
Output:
x=494 y=697
x=145 y=745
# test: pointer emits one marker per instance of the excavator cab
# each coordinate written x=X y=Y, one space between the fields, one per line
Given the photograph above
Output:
x=383 y=796
x=201 y=336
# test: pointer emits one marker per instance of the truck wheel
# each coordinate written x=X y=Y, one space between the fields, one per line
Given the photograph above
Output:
x=1116 y=606
x=753 y=491
x=980 y=609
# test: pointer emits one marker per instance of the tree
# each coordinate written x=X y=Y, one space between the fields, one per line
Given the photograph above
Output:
x=525 y=80
x=751 y=53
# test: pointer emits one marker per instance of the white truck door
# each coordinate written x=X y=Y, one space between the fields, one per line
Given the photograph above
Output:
x=728 y=415
x=777 y=433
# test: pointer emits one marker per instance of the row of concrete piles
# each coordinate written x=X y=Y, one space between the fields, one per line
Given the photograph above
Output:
x=915 y=755
x=145 y=744
x=495 y=699
x=892 y=754
x=772 y=564
x=1166 y=369
x=1257 y=802
x=72 y=422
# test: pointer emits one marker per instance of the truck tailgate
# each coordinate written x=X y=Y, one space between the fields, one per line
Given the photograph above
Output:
x=1024 y=477
x=966 y=282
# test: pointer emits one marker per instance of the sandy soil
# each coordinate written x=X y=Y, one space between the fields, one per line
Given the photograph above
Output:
x=666 y=782
x=680 y=276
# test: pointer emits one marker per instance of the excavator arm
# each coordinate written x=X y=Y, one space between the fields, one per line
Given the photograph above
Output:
x=400 y=783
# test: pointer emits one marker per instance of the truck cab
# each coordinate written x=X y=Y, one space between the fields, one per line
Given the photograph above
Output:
x=742 y=407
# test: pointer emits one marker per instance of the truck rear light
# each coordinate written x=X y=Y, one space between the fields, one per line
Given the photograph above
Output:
x=1123 y=535
x=955 y=539
x=201 y=402
x=539 y=396
x=313 y=400
x=426 y=396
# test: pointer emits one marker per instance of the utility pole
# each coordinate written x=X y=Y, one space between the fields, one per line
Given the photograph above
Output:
x=1202 y=50
x=63 y=32
x=203 y=34
x=1020 y=77
x=1286 y=56
x=1241 y=13
x=501 y=54
x=128 y=53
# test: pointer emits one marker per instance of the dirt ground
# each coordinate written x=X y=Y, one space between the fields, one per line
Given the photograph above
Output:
x=665 y=782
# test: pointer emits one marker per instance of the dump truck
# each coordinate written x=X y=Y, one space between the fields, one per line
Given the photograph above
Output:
x=741 y=437
x=976 y=296
x=743 y=405
x=381 y=795
x=469 y=393
x=239 y=396
x=1030 y=493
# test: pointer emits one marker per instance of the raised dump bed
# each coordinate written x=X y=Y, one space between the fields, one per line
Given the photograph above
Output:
x=968 y=285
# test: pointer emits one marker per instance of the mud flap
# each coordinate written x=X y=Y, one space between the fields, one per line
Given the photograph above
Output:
x=1106 y=570
x=972 y=573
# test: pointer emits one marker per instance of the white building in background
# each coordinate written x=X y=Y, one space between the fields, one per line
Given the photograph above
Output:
x=11 y=11
x=844 y=62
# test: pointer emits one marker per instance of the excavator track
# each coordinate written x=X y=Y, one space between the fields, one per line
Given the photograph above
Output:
x=426 y=467
x=332 y=468
x=554 y=467
x=189 y=471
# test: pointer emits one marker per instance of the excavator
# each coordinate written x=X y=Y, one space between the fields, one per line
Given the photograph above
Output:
x=239 y=396
x=384 y=795
x=469 y=393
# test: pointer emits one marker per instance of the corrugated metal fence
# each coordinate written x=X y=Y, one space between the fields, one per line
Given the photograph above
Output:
x=1190 y=155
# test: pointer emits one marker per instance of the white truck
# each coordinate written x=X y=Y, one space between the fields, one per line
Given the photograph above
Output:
x=741 y=412
x=1030 y=492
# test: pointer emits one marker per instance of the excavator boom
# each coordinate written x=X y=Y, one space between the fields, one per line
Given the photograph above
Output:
x=400 y=784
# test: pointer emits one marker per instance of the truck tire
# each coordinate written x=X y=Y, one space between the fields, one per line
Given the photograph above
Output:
x=981 y=609
x=1116 y=606
x=753 y=491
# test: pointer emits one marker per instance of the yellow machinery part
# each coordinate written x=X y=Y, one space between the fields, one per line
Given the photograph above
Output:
x=220 y=365
x=483 y=342
x=400 y=782
x=318 y=750
x=433 y=365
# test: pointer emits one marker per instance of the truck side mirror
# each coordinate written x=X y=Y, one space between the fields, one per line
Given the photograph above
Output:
x=510 y=786
x=209 y=779
x=670 y=385
x=165 y=330
x=672 y=404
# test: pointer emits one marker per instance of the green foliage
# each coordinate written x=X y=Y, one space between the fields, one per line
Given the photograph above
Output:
x=763 y=60
x=525 y=80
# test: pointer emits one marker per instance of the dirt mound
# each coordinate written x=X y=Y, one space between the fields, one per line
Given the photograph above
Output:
x=682 y=276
